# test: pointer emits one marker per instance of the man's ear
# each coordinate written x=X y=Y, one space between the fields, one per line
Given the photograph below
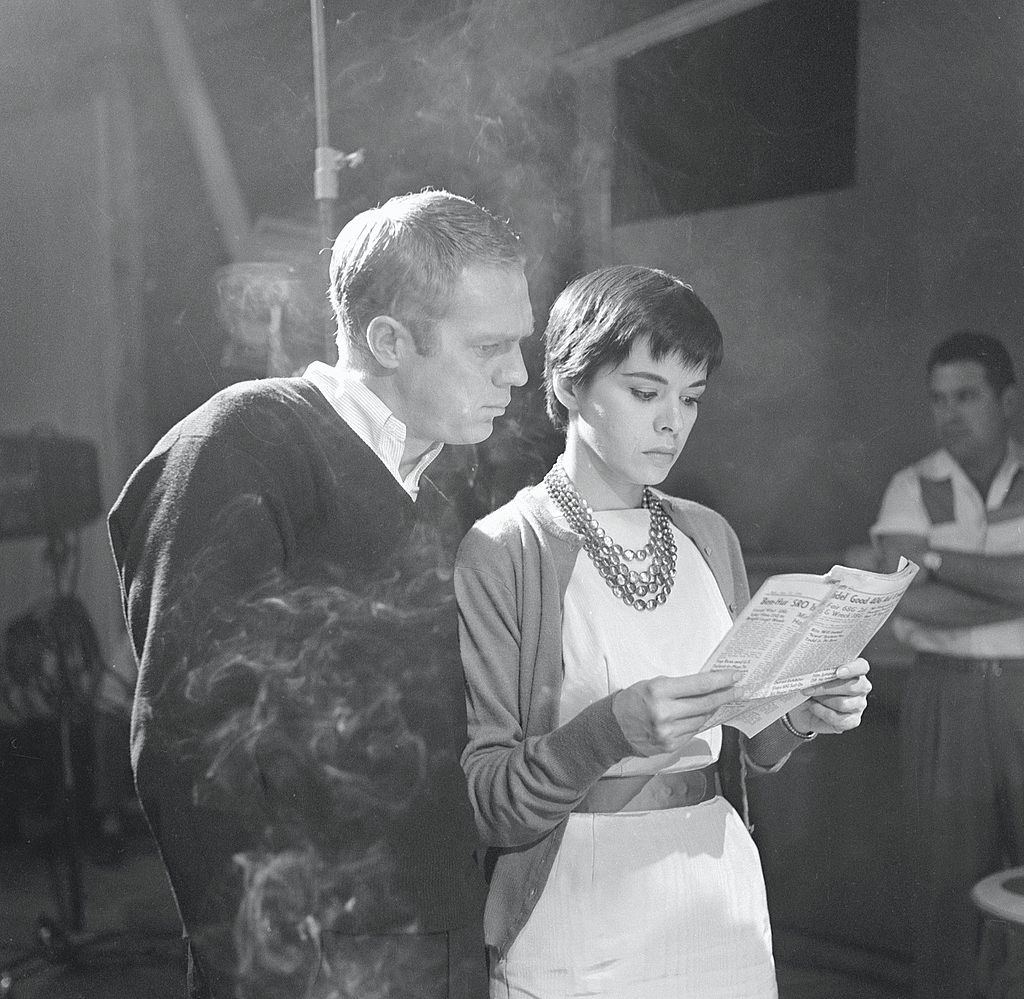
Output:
x=388 y=340
x=565 y=392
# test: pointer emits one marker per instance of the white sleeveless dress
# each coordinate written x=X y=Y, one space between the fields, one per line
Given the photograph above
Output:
x=663 y=904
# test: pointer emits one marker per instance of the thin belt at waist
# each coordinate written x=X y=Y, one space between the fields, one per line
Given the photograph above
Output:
x=646 y=792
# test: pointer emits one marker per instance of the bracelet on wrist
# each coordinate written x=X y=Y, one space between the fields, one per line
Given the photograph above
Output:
x=794 y=731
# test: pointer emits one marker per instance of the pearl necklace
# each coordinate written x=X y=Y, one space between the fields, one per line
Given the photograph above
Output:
x=644 y=589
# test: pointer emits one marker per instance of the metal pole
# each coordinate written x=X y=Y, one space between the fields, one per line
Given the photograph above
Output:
x=325 y=175
x=316 y=13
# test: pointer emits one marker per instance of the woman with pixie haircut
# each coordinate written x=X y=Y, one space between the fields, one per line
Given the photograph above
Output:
x=618 y=854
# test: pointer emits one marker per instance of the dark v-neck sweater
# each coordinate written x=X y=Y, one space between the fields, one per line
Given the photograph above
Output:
x=260 y=497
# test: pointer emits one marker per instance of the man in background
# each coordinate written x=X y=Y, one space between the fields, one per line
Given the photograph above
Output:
x=278 y=550
x=959 y=513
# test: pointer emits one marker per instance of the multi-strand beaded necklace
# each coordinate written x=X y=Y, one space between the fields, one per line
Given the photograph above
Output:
x=643 y=589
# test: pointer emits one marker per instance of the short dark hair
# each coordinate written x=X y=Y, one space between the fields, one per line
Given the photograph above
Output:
x=404 y=257
x=597 y=318
x=970 y=345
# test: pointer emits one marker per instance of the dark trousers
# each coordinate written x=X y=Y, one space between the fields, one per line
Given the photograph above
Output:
x=963 y=761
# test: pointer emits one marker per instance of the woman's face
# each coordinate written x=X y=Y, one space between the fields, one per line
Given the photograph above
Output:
x=629 y=424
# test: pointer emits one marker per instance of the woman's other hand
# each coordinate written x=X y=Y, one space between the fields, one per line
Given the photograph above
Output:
x=836 y=705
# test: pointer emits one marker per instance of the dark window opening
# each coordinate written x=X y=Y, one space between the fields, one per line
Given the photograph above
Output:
x=761 y=105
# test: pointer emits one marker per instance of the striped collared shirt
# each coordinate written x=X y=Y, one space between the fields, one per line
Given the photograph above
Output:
x=371 y=420
x=934 y=498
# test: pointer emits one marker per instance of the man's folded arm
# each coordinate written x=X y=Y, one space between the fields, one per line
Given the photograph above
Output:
x=998 y=577
x=943 y=602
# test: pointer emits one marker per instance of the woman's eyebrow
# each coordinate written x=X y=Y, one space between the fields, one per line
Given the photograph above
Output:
x=660 y=379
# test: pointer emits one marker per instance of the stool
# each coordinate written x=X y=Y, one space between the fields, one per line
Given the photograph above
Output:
x=1000 y=897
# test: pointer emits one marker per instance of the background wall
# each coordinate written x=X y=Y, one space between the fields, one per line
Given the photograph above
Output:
x=70 y=268
x=830 y=302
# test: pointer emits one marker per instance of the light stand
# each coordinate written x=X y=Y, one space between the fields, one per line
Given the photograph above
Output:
x=328 y=159
x=62 y=942
x=55 y=939
x=59 y=554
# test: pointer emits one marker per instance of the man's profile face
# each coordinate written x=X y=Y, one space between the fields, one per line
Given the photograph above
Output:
x=970 y=416
x=455 y=392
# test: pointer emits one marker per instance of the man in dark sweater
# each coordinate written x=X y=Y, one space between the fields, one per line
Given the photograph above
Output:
x=285 y=565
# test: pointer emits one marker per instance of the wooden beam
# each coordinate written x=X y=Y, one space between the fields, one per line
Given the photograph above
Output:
x=200 y=119
x=593 y=159
x=673 y=23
